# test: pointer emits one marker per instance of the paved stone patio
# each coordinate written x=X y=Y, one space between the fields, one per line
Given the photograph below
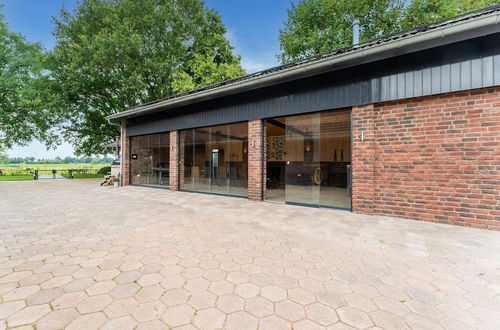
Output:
x=76 y=255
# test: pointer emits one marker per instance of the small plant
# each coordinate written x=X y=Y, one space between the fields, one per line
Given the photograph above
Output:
x=104 y=170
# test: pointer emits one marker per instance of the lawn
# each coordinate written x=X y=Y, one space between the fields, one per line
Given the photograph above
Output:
x=83 y=175
x=15 y=177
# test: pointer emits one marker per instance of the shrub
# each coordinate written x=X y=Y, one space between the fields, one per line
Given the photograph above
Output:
x=104 y=170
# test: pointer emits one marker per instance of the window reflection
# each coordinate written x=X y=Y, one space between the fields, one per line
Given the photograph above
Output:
x=215 y=159
x=149 y=159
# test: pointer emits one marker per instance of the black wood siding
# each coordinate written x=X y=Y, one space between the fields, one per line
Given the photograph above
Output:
x=473 y=63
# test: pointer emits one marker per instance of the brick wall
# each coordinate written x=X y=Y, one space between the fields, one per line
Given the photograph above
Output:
x=433 y=158
x=255 y=154
x=174 y=161
x=125 y=155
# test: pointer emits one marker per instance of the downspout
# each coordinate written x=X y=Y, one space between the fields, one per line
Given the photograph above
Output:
x=121 y=149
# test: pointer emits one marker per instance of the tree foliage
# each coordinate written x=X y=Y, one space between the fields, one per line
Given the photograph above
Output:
x=319 y=26
x=112 y=55
x=22 y=113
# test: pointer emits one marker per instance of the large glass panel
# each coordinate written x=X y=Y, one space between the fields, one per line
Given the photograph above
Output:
x=217 y=150
x=237 y=159
x=215 y=159
x=303 y=173
x=308 y=159
x=150 y=156
x=335 y=158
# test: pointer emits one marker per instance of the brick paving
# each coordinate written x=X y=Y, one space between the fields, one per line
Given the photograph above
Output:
x=78 y=256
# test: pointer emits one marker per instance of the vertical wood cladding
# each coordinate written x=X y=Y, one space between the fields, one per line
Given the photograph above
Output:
x=464 y=65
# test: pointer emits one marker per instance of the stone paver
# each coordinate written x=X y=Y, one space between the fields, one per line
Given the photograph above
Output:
x=79 y=256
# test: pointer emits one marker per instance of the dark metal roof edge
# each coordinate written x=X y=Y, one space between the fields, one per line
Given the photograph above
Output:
x=387 y=39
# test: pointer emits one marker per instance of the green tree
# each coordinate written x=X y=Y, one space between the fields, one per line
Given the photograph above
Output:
x=3 y=156
x=22 y=113
x=421 y=12
x=320 y=26
x=111 y=55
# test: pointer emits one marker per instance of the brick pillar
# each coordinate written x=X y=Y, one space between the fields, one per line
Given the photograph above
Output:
x=174 y=161
x=125 y=157
x=363 y=158
x=255 y=160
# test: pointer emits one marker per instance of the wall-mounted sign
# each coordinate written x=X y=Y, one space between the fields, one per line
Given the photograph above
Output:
x=134 y=156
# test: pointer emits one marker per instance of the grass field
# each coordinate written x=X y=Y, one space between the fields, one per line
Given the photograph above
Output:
x=16 y=177
x=15 y=172
x=84 y=175
x=51 y=166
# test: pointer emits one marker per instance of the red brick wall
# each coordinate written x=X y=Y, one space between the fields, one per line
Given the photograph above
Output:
x=433 y=158
x=125 y=155
x=174 y=161
x=255 y=154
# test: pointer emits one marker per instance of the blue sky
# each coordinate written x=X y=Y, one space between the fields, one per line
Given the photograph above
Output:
x=252 y=25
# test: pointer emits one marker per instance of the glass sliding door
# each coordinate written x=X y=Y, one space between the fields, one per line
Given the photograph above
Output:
x=215 y=159
x=149 y=159
x=303 y=178
x=308 y=159
x=335 y=158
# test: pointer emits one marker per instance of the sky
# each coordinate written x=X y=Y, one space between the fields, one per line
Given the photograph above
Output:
x=252 y=28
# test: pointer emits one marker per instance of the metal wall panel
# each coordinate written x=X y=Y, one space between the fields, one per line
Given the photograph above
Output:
x=473 y=63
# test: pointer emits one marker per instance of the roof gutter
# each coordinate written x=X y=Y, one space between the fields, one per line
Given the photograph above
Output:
x=355 y=57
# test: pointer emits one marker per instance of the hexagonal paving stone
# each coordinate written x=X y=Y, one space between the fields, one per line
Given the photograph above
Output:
x=69 y=300
x=44 y=296
x=221 y=287
x=149 y=311
x=174 y=297
x=125 y=290
x=94 y=304
x=273 y=293
x=214 y=274
x=331 y=299
x=246 y=290
x=209 y=319
x=321 y=314
x=387 y=320
x=28 y=315
x=89 y=321
x=9 y=308
x=301 y=296
x=172 y=282
x=121 y=307
x=78 y=284
x=178 y=315
x=57 y=319
x=197 y=285
x=230 y=303
x=289 y=310
x=202 y=299
x=354 y=317
x=149 y=293
x=274 y=322
x=307 y=325
x=20 y=293
x=360 y=302
x=259 y=306
x=238 y=277
x=101 y=288
x=241 y=321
